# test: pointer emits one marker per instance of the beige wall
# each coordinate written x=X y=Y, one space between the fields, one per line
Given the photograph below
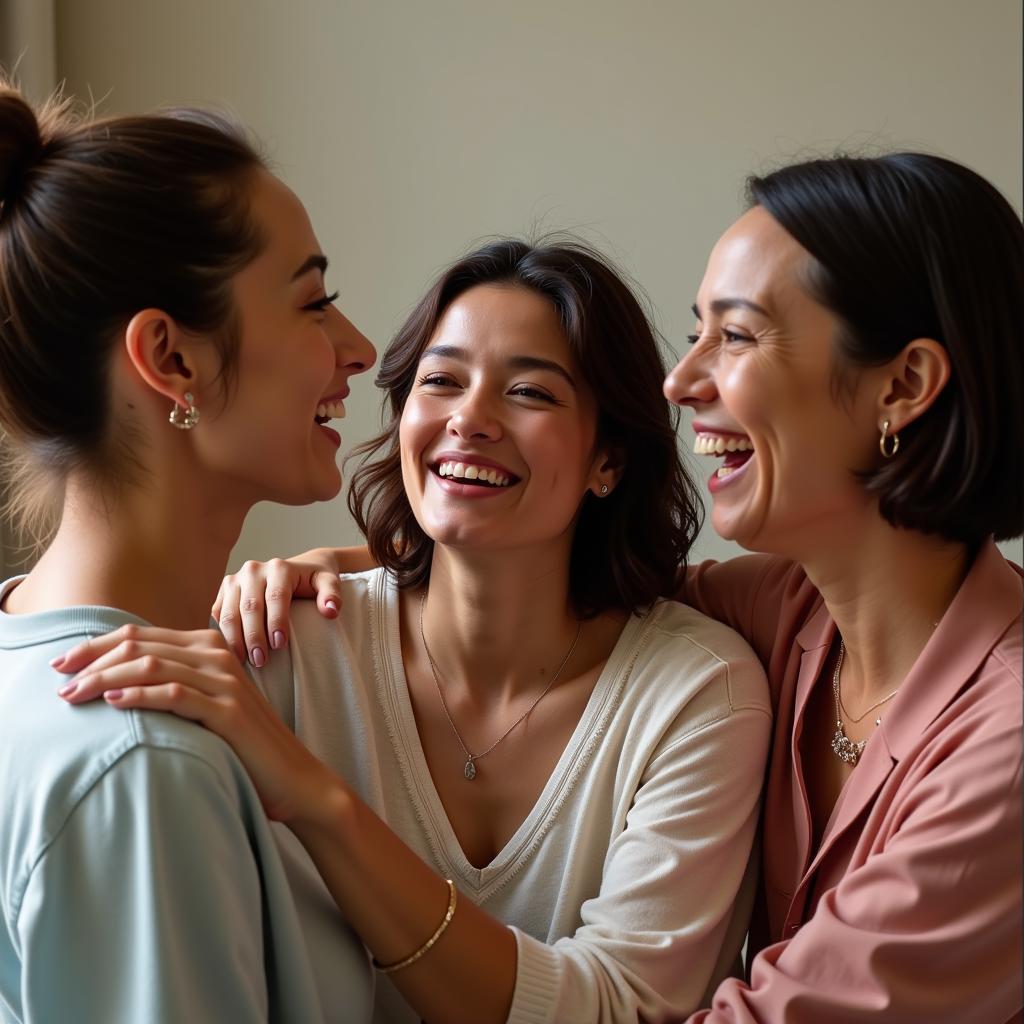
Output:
x=412 y=129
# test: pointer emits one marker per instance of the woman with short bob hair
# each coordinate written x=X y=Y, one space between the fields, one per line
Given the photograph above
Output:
x=166 y=343
x=859 y=335
x=538 y=783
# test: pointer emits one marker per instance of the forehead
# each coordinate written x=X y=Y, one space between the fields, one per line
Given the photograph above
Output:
x=506 y=319
x=287 y=232
x=757 y=260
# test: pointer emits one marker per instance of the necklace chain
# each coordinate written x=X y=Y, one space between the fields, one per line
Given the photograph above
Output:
x=842 y=746
x=469 y=770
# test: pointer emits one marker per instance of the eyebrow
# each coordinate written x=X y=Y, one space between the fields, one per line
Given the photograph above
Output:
x=514 y=362
x=314 y=262
x=720 y=306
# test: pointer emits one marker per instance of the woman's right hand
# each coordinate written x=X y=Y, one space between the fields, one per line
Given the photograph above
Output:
x=252 y=604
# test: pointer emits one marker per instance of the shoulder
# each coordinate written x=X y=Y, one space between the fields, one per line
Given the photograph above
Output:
x=698 y=659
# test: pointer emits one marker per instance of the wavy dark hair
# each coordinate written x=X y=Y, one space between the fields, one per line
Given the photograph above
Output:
x=910 y=245
x=627 y=548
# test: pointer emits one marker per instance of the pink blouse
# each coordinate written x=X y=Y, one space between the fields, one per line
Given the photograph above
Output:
x=910 y=910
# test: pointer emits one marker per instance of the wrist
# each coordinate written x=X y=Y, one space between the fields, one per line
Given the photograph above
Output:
x=328 y=812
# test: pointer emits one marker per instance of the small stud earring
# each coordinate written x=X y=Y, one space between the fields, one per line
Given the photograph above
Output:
x=184 y=419
x=604 y=490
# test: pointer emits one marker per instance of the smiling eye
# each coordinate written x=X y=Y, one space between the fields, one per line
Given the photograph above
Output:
x=440 y=380
x=529 y=391
x=728 y=335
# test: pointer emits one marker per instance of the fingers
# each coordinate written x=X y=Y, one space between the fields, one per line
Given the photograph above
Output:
x=327 y=587
x=228 y=614
x=283 y=578
x=89 y=651
x=216 y=674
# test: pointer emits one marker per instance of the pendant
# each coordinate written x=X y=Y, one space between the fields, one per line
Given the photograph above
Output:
x=844 y=748
x=470 y=770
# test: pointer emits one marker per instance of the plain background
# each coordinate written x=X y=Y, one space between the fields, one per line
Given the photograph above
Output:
x=413 y=130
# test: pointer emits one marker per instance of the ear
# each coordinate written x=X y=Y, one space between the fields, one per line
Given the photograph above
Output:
x=912 y=382
x=162 y=354
x=607 y=472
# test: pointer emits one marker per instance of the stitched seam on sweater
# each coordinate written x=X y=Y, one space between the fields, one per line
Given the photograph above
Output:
x=82 y=791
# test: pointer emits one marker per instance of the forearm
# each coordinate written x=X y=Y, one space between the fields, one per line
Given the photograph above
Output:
x=395 y=902
x=354 y=559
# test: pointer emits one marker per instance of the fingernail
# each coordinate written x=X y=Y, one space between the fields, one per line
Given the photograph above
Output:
x=67 y=690
x=58 y=661
x=331 y=605
x=113 y=694
x=277 y=640
x=256 y=657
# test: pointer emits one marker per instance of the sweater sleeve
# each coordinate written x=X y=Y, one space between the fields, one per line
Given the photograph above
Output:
x=147 y=905
x=928 y=928
x=650 y=942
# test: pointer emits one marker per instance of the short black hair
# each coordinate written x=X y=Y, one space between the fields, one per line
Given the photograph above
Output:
x=910 y=245
x=627 y=547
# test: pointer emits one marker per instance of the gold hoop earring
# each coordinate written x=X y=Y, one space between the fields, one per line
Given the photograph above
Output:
x=894 y=446
x=184 y=419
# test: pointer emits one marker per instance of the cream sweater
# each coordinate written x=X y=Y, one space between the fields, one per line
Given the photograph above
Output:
x=628 y=885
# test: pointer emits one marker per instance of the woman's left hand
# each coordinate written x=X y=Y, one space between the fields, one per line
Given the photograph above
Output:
x=196 y=676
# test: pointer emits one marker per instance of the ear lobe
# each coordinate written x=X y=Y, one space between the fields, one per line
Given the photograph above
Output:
x=157 y=349
x=915 y=380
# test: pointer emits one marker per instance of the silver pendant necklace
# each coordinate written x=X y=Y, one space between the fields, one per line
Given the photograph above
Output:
x=469 y=770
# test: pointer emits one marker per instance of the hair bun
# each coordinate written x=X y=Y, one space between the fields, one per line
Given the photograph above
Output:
x=21 y=142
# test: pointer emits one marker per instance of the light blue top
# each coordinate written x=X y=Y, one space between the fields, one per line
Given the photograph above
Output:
x=140 y=881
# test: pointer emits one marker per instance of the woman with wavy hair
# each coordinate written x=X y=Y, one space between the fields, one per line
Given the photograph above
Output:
x=530 y=784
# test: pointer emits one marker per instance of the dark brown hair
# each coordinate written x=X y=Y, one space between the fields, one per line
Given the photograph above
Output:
x=98 y=220
x=908 y=246
x=627 y=548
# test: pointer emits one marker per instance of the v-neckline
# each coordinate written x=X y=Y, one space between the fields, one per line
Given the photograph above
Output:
x=419 y=782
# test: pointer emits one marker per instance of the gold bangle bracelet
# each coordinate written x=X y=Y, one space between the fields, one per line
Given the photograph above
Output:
x=428 y=945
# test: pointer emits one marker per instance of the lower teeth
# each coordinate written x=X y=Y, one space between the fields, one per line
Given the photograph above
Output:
x=724 y=471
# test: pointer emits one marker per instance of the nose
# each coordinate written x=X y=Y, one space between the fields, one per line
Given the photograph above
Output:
x=355 y=352
x=690 y=382
x=474 y=417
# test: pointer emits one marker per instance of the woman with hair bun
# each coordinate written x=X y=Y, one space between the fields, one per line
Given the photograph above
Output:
x=168 y=357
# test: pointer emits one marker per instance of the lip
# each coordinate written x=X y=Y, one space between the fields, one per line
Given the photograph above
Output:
x=699 y=427
x=716 y=482
x=338 y=396
x=330 y=433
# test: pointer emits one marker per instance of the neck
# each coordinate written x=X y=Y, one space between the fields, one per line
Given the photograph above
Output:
x=886 y=589
x=498 y=624
x=157 y=551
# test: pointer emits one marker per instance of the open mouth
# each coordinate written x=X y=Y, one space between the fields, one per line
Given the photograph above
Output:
x=734 y=449
x=475 y=475
x=333 y=410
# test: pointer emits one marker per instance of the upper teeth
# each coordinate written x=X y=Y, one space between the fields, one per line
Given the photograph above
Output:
x=469 y=472
x=709 y=444
x=334 y=410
